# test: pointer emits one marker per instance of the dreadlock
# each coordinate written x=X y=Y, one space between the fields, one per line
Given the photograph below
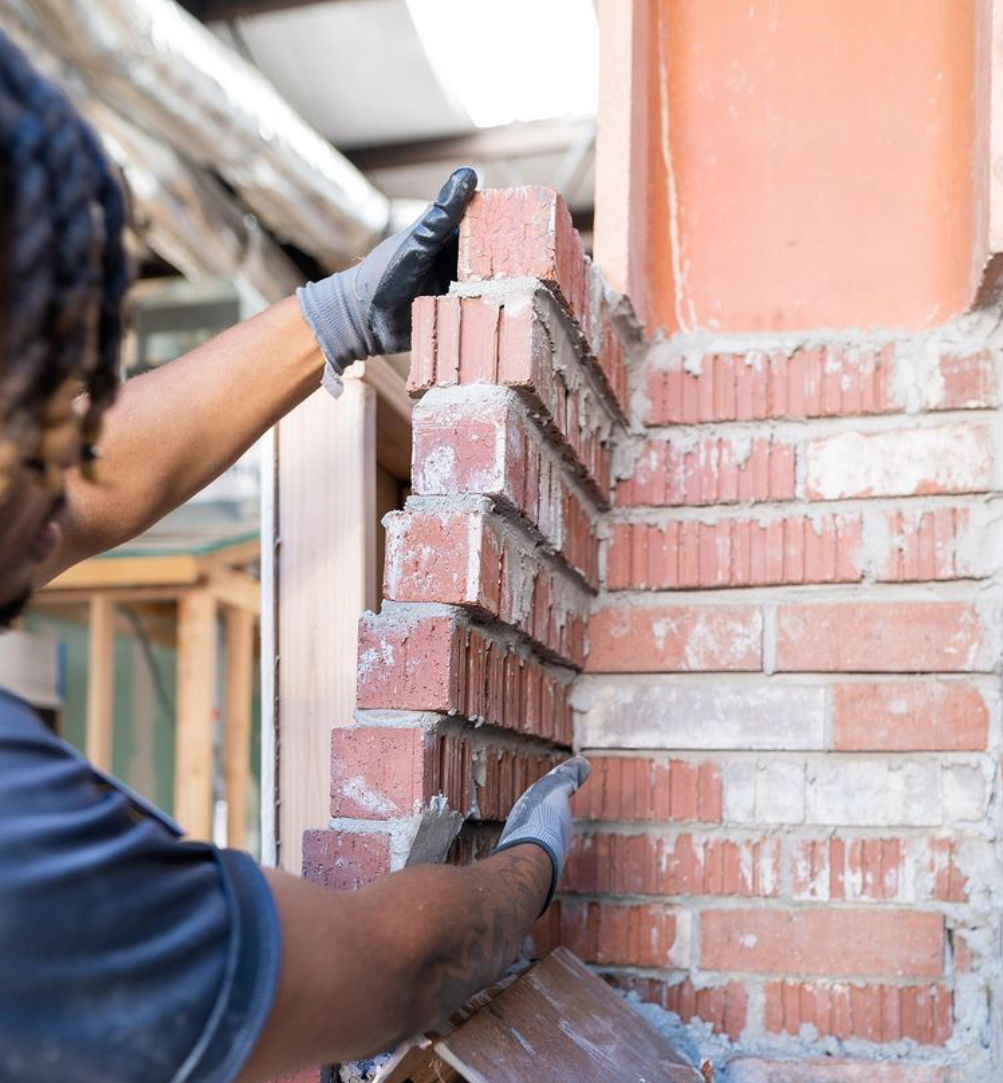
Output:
x=62 y=257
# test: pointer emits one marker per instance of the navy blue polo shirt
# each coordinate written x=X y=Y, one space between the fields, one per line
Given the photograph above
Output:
x=126 y=955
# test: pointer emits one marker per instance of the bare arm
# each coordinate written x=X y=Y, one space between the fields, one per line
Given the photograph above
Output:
x=174 y=430
x=363 y=970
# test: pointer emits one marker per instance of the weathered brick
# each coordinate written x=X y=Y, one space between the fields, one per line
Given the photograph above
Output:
x=471 y=559
x=528 y=233
x=823 y=381
x=487 y=446
x=876 y=793
x=341 y=860
x=502 y=774
x=678 y=638
x=831 y=1070
x=615 y=933
x=696 y=471
x=944 y=543
x=828 y=943
x=853 y=869
x=522 y=343
x=679 y=712
x=525 y=233
x=933 y=716
x=689 y=554
x=900 y=462
x=681 y=864
x=635 y=788
x=417 y=663
x=723 y=1007
x=868 y=869
x=873 y=1013
x=881 y=637
x=381 y=772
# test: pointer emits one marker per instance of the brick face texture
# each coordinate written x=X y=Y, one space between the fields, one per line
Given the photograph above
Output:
x=759 y=586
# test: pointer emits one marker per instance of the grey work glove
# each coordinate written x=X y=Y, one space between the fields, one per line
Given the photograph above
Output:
x=366 y=309
x=543 y=816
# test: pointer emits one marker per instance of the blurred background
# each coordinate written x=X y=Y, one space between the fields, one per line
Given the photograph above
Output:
x=263 y=143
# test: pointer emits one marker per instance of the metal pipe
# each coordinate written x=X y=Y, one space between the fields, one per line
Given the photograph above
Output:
x=159 y=66
x=180 y=210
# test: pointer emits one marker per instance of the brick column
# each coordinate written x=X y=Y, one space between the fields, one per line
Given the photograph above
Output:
x=465 y=673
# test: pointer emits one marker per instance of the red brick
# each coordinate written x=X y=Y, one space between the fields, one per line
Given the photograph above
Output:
x=535 y=354
x=872 y=1013
x=639 y=864
x=525 y=233
x=687 y=554
x=830 y=943
x=874 y=637
x=487 y=447
x=613 y=934
x=505 y=773
x=439 y=664
x=380 y=772
x=636 y=788
x=900 y=462
x=675 y=471
x=824 y=381
x=949 y=882
x=917 y=716
x=723 y=1007
x=928 y=546
x=831 y=1070
x=969 y=380
x=859 y=869
x=680 y=638
x=343 y=860
x=470 y=559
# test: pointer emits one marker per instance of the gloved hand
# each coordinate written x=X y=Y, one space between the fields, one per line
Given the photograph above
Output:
x=366 y=309
x=543 y=816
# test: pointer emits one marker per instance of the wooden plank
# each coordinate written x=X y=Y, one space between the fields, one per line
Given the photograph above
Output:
x=238 y=555
x=100 y=681
x=54 y=598
x=237 y=693
x=560 y=1021
x=326 y=579
x=195 y=706
x=100 y=572
x=236 y=589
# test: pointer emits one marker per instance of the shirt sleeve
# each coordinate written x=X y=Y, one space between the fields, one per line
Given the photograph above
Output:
x=125 y=954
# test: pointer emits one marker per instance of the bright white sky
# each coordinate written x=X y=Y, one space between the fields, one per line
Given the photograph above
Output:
x=513 y=60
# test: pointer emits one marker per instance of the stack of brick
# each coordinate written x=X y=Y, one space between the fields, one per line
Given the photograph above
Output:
x=491 y=568
x=764 y=573
x=792 y=705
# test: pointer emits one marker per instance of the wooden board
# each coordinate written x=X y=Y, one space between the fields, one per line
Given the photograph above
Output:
x=100 y=681
x=195 y=713
x=237 y=693
x=326 y=579
x=561 y=1023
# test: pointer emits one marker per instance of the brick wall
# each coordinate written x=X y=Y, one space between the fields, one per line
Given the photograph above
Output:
x=756 y=580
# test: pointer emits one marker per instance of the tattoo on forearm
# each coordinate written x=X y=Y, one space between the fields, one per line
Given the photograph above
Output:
x=490 y=937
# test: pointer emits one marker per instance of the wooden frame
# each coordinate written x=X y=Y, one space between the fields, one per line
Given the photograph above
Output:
x=323 y=553
x=204 y=585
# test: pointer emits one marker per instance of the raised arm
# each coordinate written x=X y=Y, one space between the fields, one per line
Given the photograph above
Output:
x=174 y=430
x=363 y=970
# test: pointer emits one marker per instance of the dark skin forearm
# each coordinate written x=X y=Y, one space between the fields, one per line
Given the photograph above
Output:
x=174 y=430
x=363 y=970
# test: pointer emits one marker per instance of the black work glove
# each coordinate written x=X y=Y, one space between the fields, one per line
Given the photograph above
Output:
x=542 y=816
x=366 y=309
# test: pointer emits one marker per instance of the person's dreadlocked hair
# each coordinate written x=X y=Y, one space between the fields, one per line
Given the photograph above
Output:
x=62 y=217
